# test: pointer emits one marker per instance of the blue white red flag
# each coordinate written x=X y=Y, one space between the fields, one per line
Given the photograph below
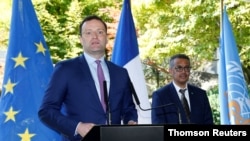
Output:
x=126 y=54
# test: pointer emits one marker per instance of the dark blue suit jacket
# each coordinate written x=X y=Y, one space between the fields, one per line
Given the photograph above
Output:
x=72 y=87
x=200 y=108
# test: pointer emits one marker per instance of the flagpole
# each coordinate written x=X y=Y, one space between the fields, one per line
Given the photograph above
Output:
x=221 y=20
x=221 y=15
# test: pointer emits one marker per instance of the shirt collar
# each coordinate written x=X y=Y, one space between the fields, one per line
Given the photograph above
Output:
x=178 y=88
x=90 y=59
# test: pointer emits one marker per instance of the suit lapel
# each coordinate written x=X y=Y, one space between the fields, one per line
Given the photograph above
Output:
x=192 y=100
x=91 y=85
x=174 y=95
x=178 y=102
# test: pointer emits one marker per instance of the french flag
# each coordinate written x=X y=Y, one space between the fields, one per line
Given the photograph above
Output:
x=126 y=54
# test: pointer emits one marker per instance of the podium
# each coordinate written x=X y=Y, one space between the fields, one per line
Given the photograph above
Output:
x=126 y=133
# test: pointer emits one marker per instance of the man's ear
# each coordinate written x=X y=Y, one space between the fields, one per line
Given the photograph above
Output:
x=80 y=38
x=170 y=71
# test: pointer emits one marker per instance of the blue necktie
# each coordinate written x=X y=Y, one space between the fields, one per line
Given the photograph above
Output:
x=101 y=78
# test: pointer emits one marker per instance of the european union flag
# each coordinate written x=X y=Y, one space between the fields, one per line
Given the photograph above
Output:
x=28 y=68
x=233 y=93
x=126 y=54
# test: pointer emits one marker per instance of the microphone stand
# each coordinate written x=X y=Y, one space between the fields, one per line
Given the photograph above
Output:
x=162 y=106
x=108 y=112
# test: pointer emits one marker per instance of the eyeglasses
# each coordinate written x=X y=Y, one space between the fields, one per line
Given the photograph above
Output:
x=91 y=33
x=180 y=69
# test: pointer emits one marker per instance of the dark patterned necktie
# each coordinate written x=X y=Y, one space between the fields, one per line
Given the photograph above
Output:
x=101 y=78
x=185 y=104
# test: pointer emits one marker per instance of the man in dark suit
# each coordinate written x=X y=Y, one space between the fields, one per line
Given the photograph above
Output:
x=72 y=102
x=195 y=107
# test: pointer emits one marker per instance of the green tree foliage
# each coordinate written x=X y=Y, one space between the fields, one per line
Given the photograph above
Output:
x=187 y=26
x=5 y=10
x=60 y=23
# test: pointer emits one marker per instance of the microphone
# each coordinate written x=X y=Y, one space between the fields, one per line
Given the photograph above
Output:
x=161 y=106
x=108 y=112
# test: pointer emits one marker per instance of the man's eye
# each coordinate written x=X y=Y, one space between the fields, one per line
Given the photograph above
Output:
x=88 y=33
x=100 y=32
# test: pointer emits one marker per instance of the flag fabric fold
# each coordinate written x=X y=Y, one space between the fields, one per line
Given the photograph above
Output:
x=126 y=54
x=233 y=93
x=28 y=67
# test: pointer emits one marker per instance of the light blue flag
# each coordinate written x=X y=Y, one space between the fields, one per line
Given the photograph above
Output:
x=126 y=54
x=28 y=67
x=224 y=118
x=234 y=98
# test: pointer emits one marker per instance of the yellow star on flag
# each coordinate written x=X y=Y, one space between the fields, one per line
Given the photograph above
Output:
x=40 y=48
x=9 y=87
x=10 y=114
x=20 y=60
x=26 y=136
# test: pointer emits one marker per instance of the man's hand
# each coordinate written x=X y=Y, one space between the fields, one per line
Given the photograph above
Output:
x=131 y=122
x=84 y=128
